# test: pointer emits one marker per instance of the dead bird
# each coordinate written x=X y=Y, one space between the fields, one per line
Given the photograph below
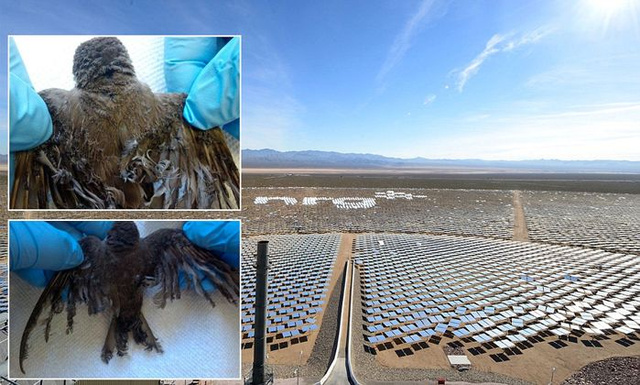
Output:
x=116 y=144
x=113 y=278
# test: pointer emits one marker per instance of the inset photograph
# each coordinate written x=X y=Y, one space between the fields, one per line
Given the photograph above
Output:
x=4 y=319
x=122 y=299
x=130 y=122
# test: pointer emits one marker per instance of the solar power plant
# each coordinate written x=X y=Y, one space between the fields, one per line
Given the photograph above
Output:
x=605 y=221
x=4 y=303
x=487 y=213
x=494 y=297
x=300 y=269
x=3 y=269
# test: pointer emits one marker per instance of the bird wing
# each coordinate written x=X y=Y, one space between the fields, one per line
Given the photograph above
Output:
x=176 y=166
x=82 y=284
x=171 y=252
x=165 y=163
x=56 y=174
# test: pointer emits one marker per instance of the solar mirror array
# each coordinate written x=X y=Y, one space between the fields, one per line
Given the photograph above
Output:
x=300 y=269
x=4 y=303
x=493 y=296
x=485 y=213
x=605 y=221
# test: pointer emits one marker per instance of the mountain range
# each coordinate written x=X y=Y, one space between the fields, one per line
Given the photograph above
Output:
x=267 y=158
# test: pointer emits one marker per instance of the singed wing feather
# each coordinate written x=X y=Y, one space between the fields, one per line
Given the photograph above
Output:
x=171 y=252
x=144 y=155
x=57 y=174
x=51 y=294
x=178 y=166
x=84 y=285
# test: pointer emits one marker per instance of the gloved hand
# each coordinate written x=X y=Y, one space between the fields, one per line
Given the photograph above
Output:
x=29 y=119
x=39 y=248
x=221 y=237
x=208 y=70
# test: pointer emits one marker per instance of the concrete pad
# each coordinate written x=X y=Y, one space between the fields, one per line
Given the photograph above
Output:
x=459 y=360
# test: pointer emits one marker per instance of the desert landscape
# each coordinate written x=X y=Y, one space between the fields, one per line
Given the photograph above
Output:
x=517 y=280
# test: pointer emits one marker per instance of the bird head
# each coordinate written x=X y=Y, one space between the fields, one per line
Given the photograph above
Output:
x=100 y=62
x=123 y=235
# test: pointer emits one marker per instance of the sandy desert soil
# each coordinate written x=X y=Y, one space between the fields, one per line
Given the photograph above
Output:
x=519 y=223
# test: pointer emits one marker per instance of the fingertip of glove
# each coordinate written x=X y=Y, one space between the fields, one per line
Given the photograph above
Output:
x=75 y=255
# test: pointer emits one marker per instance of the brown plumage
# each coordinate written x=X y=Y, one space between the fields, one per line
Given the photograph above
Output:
x=116 y=144
x=114 y=275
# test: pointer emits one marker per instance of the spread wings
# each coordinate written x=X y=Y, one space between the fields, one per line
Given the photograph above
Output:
x=172 y=252
x=165 y=254
x=83 y=284
x=133 y=152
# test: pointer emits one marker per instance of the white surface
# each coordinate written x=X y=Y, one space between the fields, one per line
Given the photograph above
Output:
x=198 y=341
x=459 y=360
x=49 y=59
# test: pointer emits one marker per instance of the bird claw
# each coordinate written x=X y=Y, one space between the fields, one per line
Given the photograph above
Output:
x=62 y=177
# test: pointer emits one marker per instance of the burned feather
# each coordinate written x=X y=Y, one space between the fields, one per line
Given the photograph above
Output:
x=113 y=277
x=110 y=134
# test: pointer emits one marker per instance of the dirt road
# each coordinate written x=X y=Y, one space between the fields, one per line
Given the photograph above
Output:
x=519 y=223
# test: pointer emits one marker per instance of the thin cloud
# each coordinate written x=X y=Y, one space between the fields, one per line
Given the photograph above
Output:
x=477 y=117
x=473 y=67
x=588 y=131
x=621 y=110
x=603 y=109
x=497 y=44
x=567 y=139
x=404 y=39
x=429 y=99
x=528 y=38
x=608 y=73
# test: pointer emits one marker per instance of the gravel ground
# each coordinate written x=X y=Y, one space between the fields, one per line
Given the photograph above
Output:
x=322 y=352
x=612 y=371
x=367 y=370
x=448 y=350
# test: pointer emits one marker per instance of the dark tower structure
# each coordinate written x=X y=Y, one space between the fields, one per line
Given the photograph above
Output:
x=259 y=374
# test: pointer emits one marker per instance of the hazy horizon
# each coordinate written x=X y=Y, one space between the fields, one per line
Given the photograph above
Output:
x=431 y=159
x=453 y=159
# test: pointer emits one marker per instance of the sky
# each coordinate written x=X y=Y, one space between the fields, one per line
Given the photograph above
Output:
x=436 y=79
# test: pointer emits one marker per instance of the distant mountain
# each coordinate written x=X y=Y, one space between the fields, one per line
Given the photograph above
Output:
x=267 y=158
x=3 y=158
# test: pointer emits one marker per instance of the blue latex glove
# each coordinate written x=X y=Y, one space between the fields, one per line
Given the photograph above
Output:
x=222 y=237
x=29 y=120
x=38 y=248
x=208 y=70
